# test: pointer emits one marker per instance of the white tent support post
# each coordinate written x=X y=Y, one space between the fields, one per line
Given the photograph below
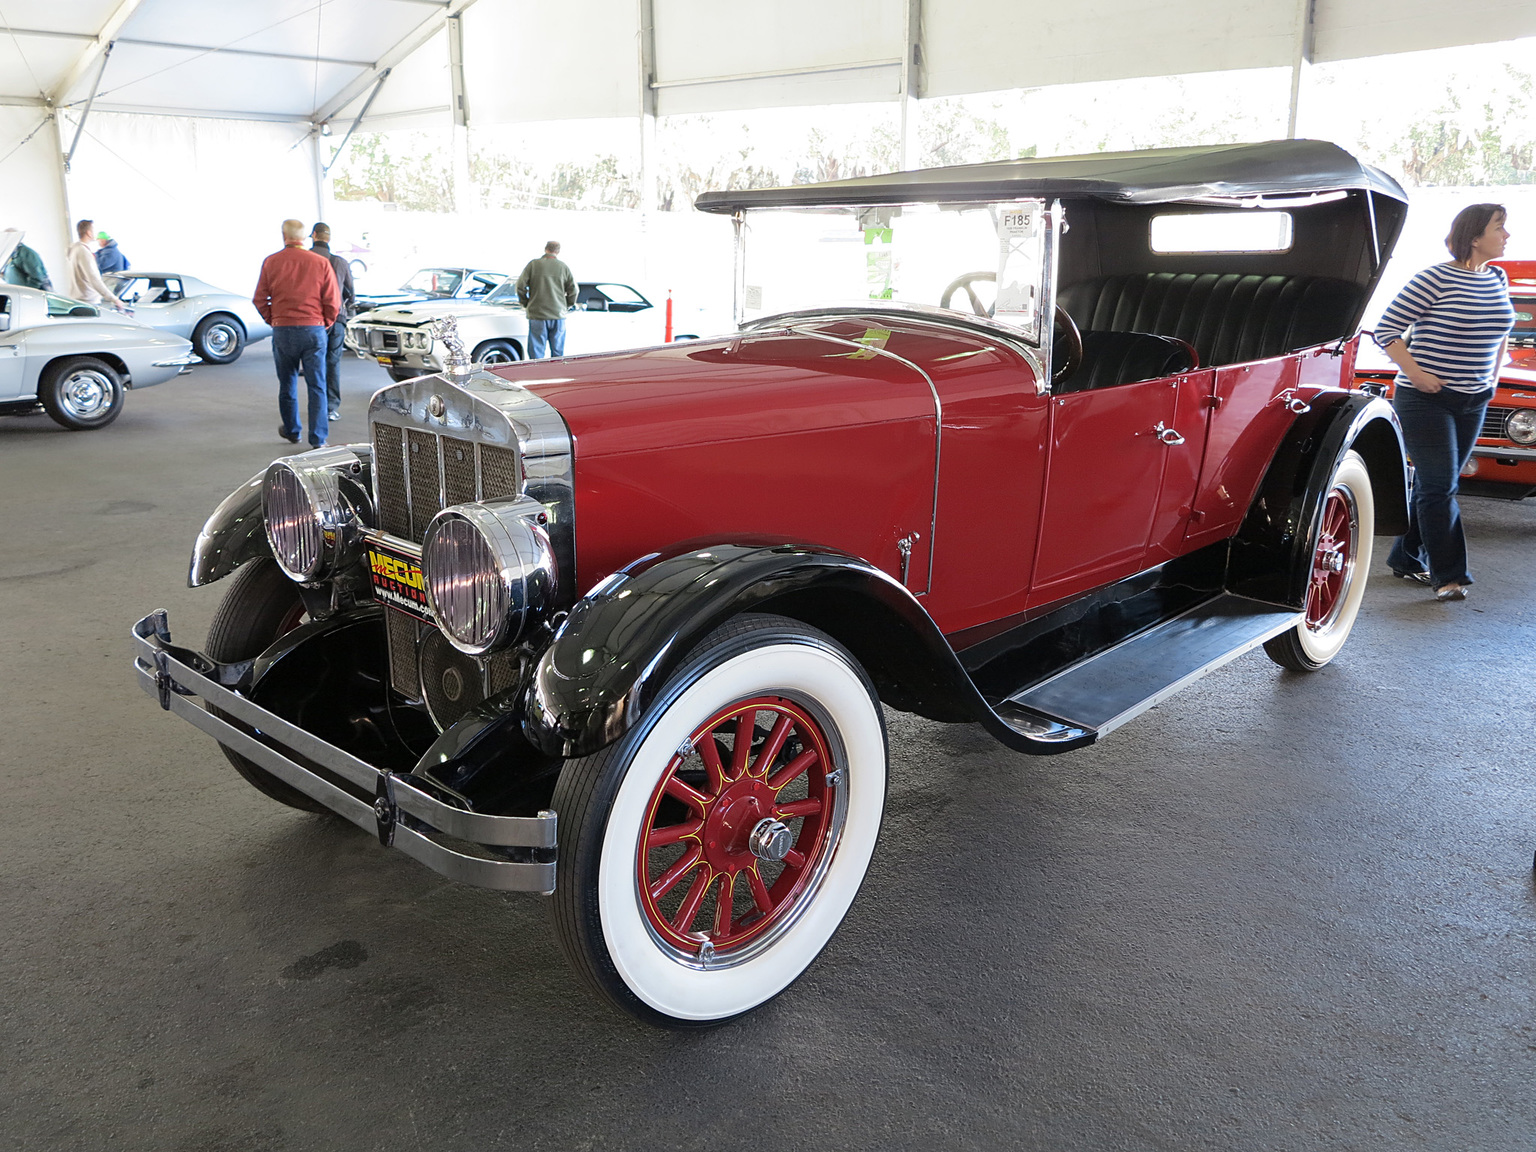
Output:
x=461 y=185
x=1306 y=16
x=647 y=21
x=63 y=170
x=911 y=84
x=106 y=54
x=103 y=39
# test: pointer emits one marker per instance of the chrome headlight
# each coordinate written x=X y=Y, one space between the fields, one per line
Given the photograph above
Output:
x=490 y=572
x=316 y=507
x=1521 y=426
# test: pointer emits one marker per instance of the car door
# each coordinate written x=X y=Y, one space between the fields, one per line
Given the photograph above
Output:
x=1104 y=478
x=12 y=349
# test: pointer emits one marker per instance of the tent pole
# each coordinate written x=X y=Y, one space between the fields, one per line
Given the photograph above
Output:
x=1305 y=19
x=911 y=85
x=106 y=55
x=351 y=128
x=62 y=167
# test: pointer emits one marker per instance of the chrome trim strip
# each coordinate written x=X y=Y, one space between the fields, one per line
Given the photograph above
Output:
x=1510 y=453
x=938 y=432
x=164 y=675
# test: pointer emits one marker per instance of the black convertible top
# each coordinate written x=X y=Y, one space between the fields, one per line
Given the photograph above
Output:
x=1155 y=176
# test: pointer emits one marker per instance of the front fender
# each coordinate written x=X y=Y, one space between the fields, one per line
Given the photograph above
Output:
x=622 y=642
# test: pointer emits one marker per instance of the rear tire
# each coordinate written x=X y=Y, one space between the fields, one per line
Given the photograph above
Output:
x=1337 y=568
x=495 y=352
x=260 y=605
x=82 y=393
x=690 y=927
x=219 y=339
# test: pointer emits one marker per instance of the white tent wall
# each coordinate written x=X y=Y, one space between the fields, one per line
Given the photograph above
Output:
x=204 y=197
x=31 y=190
x=1350 y=29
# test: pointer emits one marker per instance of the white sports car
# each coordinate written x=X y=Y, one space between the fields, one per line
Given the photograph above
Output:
x=607 y=317
x=219 y=323
x=76 y=359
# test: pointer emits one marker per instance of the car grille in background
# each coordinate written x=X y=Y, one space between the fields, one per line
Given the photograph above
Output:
x=418 y=474
x=1494 y=424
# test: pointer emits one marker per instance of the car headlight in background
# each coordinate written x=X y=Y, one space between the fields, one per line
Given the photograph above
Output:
x=490 y=572
x=1521 y=426
x=316 y=507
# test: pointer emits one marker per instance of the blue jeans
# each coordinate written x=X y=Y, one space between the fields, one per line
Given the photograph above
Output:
x=1439 y=429
x=542 y=331
x=333 y=350
x=295 y=346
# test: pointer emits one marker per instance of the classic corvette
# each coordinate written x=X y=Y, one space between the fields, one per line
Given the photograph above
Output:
x=1503 y=463
x=76 y=359
x=496 y=331
x=457 y=284
x=619 y=629
x=220 y=324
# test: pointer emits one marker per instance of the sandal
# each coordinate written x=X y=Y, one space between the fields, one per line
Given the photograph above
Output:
x=1451 y=592
x=1416 y=577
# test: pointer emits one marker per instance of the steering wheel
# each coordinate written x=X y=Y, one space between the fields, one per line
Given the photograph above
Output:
x=1067 y=340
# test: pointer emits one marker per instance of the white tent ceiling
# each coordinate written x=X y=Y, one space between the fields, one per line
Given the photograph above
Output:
x=312 y=60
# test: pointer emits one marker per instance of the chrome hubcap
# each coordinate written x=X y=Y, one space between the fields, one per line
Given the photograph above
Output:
x=771 y=840
x=86 y=394
x=220 y=339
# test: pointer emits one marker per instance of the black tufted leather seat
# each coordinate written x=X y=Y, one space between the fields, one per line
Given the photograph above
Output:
x=1228 y=317
x=1111 y=358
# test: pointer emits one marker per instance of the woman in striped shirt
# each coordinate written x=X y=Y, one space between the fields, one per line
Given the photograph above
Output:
x=1460 y=316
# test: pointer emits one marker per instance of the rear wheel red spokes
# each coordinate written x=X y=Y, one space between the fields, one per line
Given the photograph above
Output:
x=1333 y=560
x=707 y=884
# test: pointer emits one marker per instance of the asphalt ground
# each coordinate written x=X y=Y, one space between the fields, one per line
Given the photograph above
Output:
x=1276 y=912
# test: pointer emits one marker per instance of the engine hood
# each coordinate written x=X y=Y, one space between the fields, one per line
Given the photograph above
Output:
x=414 y=313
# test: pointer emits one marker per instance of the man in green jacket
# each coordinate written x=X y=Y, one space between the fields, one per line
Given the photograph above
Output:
x=25 y=267
x=547 y=291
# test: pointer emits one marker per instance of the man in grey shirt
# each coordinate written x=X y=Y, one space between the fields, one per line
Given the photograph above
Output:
x=320 y=242
x=547 y=291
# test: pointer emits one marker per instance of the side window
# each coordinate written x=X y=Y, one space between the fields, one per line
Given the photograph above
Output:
x=5 y=313
x=623 y=298
x=129 y=289
x=170 y=290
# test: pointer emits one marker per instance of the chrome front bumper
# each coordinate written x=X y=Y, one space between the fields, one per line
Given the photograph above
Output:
x=1509 y=453
x=402 y=815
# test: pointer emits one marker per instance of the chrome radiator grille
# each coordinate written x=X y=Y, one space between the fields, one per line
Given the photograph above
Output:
x=1494 y=424
x=421 y=473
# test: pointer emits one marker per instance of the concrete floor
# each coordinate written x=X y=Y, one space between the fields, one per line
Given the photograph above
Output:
x=1277 y=912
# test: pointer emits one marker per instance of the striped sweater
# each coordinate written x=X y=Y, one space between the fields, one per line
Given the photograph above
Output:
x=1459 y=321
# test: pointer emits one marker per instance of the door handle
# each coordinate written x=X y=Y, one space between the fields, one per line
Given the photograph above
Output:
x=1293 y=403
x=1167 y=435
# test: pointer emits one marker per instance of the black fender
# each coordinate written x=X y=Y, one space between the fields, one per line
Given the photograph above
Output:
x=237 y=531
x=611 y=658
x=1272 y=550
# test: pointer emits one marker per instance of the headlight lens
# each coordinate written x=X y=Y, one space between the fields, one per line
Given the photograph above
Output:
x=1522 y=426
x=316 y=506
x=490 y=572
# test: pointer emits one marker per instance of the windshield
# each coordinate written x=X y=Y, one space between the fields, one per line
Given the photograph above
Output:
x=925 y=254
x=505 y=293
x=434 y=281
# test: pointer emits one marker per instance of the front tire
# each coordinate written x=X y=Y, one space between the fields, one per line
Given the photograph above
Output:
x=708 y=856
x=1337 y=568
x=261 y=605
x=219 y=339
x=81 y=393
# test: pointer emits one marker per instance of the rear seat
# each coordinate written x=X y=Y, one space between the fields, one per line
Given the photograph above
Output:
x=1111 y=358
x=1228 y=317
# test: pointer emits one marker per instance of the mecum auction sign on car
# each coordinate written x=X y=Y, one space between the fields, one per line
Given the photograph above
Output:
x=1029 y=444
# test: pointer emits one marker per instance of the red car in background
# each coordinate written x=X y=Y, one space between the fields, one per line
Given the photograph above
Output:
x=1503 y=463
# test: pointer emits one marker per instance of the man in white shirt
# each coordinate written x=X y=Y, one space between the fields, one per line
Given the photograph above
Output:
x=82 y=279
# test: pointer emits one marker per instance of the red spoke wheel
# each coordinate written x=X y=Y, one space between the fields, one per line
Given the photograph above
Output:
x=738 y=827
x=1336 y=571
x=708 y=856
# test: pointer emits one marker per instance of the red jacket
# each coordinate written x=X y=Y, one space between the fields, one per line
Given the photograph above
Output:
x=297 y=288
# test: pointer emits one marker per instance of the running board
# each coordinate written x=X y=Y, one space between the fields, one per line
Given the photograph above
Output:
x=1104 y=691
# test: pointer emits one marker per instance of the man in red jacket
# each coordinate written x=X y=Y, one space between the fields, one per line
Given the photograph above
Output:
x=298 y=296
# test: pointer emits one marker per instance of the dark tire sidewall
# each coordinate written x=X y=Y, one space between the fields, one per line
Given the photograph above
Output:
x=200 y=336
x=50 y=393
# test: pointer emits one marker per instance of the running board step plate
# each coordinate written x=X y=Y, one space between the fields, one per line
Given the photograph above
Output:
x=1106 y=690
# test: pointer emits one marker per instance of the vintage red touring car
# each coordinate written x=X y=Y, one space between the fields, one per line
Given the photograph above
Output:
x=1030 y=444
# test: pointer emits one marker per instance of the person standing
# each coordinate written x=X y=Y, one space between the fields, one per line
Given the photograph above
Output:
x=25 y=267
x=336 y=334
x=109 y=257
x=82 y=278
x=547 y=291
x=297 y=295
x=1460 y=315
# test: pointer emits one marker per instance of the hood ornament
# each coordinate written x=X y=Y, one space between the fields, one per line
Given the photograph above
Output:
x=455 y=360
